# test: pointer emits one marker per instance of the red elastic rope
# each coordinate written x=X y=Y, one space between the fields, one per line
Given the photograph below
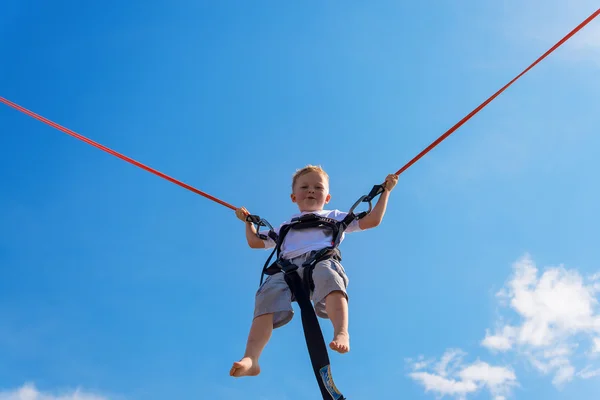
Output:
x=114 y=153
x=404 y=168
x=485 y=103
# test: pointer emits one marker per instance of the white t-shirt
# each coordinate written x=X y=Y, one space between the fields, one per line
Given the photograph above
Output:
x=298 y=242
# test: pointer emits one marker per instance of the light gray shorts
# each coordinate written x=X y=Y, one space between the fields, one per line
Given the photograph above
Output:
x=274 y=295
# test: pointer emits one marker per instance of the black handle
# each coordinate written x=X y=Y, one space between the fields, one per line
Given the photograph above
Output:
x=258 y=222
x=376 y=191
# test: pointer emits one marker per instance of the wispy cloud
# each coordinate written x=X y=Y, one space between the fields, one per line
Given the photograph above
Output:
x=588 y=372
x=549 y=320
x=596 y=348
x=450 y=376
x=29 y=392
x=549 y=20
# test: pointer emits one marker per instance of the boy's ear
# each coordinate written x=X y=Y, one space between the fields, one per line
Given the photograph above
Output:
x=293 y=197
x=327 y=198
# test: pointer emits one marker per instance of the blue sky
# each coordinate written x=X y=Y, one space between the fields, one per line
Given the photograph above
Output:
x=482 y=282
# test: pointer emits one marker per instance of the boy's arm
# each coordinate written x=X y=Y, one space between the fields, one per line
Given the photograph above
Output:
x=253 y=240
x=374 y=218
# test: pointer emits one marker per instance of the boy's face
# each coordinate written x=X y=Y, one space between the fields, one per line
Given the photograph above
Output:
x=311 y=192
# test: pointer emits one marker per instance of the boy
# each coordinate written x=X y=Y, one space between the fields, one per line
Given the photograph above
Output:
x=273 y=309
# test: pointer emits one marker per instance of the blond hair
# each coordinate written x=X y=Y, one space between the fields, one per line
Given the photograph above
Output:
x=309 y=168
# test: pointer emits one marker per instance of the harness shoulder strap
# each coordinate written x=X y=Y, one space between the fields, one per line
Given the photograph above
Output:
x=306 y=221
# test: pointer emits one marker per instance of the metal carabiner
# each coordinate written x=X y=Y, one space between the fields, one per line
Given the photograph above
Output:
x=376 y=191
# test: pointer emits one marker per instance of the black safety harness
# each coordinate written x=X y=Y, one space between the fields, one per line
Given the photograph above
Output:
x=302 y=287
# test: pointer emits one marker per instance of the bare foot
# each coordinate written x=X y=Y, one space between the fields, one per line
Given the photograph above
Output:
x=245 y=367
x=340 y=343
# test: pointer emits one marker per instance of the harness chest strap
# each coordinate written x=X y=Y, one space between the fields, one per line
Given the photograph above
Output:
x=307 y=221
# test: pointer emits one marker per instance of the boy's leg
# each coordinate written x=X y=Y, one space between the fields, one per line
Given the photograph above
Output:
x=260 y=333
x=331 y=301
x=272 y=309
x=336 y=306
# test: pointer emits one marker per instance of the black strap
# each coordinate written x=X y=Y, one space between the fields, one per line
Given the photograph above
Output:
x=315 y=257
x=315 y=342
x=337 y=228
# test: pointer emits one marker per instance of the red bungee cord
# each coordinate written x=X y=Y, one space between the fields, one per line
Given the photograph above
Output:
x=400 y=171
x=485 y=103
x=114 y=153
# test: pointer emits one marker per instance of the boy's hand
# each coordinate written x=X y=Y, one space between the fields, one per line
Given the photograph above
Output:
x=390 y=182
x=242 y=213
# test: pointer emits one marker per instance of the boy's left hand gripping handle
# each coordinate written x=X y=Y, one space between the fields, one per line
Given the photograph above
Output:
x=258 y=222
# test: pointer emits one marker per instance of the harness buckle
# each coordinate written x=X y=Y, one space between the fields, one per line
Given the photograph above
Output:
x=286 y=266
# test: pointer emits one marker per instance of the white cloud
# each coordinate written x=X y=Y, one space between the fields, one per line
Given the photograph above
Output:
x=449 y=362
x=495 y=378
x=596 y=280
x=556 y=303
x=556 y=312
x=588 y=372
x=29 y=392
x=500 y=342
x=421 y=365
x=550 y=320
x=451 y=377
x=443 y=386
x=596 y=348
